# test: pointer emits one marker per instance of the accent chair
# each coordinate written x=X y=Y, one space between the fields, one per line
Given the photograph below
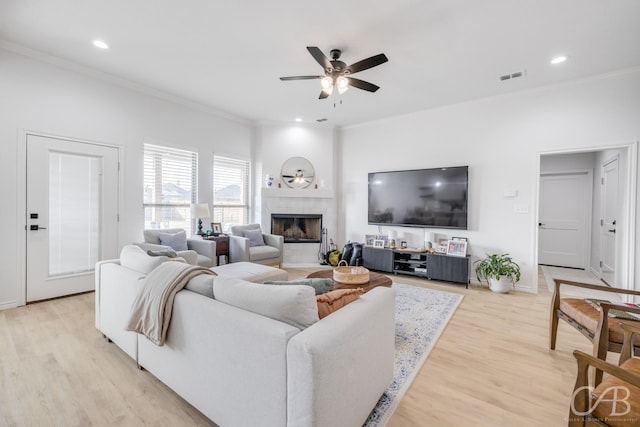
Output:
x=249 y=243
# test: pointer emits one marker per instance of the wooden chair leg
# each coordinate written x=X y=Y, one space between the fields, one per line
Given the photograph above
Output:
x=553 y=329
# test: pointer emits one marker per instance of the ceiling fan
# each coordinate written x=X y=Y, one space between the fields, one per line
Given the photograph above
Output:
x=338 y=74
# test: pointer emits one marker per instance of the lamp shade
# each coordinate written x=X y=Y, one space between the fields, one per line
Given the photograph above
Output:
x=200 y=210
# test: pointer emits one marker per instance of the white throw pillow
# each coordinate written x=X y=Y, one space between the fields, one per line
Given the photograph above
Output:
x=295 y=304
x=177 y=241
x=134 y=258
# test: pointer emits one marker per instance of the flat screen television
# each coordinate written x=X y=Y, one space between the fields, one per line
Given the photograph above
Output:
x=435 y=198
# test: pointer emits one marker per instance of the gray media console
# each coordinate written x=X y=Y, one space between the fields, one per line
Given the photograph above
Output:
x=423 y=264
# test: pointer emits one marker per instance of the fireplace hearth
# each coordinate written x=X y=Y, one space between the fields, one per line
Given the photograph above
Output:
x=297 y=228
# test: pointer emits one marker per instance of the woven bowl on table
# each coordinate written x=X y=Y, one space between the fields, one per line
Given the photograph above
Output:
x=349 y=275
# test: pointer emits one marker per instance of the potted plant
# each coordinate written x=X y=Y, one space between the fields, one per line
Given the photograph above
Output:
x=499 y=271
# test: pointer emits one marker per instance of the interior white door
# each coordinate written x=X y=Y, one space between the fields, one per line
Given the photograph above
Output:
x=562 y=228
x=608 y=223
x=71 y=214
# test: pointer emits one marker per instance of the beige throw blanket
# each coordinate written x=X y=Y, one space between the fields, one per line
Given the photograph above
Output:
x=151 y=310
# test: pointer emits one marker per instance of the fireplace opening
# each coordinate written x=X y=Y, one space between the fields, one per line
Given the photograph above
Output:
x=297 y=228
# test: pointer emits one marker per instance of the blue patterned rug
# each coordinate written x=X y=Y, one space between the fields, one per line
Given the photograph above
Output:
x=421 y=316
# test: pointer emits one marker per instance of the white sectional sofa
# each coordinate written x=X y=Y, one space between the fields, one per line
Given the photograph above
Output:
x=240 y=368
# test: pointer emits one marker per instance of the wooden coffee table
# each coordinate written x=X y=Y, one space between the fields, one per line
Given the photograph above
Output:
x=375 y=279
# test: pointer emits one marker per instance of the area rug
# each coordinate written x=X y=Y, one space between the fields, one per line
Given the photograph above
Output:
x=421 y=316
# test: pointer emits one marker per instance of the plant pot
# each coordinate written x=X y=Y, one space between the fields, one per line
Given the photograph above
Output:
x=501 y=286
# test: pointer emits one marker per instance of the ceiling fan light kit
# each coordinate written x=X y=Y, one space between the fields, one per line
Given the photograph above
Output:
x=337 y=73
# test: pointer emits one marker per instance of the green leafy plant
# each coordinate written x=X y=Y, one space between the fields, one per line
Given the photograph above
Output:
x=497 y=266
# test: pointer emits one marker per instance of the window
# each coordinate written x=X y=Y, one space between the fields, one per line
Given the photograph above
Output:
x=230 y=191
x=170 y=187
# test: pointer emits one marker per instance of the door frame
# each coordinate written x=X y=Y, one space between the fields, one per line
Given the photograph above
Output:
x=628 y=256
x=589 y=216
x=21 y=201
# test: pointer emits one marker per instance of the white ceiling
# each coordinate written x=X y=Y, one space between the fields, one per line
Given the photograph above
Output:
x=229 y=55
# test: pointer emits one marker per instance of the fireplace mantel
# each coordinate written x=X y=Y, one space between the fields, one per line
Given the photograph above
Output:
x=319 y=193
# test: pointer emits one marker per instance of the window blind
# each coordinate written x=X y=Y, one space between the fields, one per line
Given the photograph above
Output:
x=170 y=187
x=230 y=191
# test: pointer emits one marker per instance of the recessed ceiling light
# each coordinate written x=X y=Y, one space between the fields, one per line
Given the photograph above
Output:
x=298 y=119
x=100 y=44
x=559 y=59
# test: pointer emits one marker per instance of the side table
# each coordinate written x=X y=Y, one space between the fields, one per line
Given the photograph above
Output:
x=222 y=246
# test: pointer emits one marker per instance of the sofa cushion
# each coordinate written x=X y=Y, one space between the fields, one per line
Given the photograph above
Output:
x=177 y=241
x=136 y=259
x=254 y=236
x=251 y=272
x=334 y=300
x=295 y=305
x=321 y=286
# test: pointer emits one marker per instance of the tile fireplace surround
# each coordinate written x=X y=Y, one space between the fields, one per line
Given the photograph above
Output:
x=285 y=201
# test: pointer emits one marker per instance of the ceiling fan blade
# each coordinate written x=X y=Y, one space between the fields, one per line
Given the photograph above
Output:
x=323 y=95
x=300 y=78
x=365 y=64
x=361 y=84
x=320 y=57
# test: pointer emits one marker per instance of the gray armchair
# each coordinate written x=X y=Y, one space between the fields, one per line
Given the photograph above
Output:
x=201 y=252
x=240 y=249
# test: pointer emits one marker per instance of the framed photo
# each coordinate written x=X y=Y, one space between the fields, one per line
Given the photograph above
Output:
x=456 y=248
x=378 y=243
x=216 y=228
x=441 y=249
x=382 y=237
x=459 y=239
x=443 y=241
x=368 y=239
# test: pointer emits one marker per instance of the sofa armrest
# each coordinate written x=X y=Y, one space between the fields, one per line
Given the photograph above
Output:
x=340 y=366
x=238 y=249
x=203 y=247
x=151 y=246
x=274 y=240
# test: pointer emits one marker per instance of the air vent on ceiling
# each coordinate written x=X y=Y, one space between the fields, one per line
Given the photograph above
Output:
x=321 y=120
x=512 y=75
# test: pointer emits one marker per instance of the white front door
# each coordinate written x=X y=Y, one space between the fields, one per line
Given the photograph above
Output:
x=564 y=211
x=71 y=214
x=609 y=221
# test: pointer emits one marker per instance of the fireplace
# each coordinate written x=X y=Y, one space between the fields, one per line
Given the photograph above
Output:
x=297 y=228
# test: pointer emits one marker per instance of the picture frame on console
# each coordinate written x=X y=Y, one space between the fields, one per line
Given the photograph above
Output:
x=216 y=228
x=457 y=248
x=369 y=239
x=459 y=239
x=378 y=243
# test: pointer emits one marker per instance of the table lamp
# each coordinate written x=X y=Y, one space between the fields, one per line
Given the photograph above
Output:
x=200 y=210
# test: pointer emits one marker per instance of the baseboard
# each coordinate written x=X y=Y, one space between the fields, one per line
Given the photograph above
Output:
x=7 y=305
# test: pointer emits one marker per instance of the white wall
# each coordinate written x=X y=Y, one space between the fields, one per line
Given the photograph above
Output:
x=274 y=144
x=40 y=97
x=500 y=138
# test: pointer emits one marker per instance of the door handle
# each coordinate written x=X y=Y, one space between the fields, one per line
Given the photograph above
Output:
x=36 y=227
x=540 y=224
x=612 y=231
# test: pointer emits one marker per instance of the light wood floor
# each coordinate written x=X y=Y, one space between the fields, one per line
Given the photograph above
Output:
x=491 y=367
